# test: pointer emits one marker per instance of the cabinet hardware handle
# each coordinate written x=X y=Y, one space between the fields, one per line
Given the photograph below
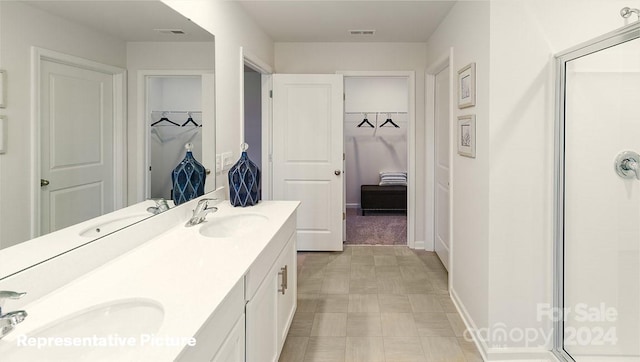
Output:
x=284 y=284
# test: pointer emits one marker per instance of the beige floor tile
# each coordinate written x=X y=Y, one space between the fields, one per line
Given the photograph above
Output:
x=363 y=271
x=394 y=303
x=439 y=281
x=342 y=259
x=442 y=349
x=391 y=286
x=382 y=260
x=362 y=260
x=336 y=303
x=363 y=303
x=310 y=286
x=311 y=273
x=457 y=324
x=398 y=325
x=470 y=351
x=387 y=271
x=364 y=324
x=447 y=303
x=361 y=250
x=383 y=250
x=409 y=260
x=307 y=303
x=425 y=303
x=301 y=324
x=433 y=325
x=363 y=286
x=326 y=349
x=414 y=272
x=364 y=349
x=403 y=251
x=329 y=325
x=335 y=285
x=316 y=258
x=294 y=349
x=418 y=287
x=403 y=349
x=337 y=271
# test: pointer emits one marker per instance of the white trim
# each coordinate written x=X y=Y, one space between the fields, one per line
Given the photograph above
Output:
x=411 y=143
x=119 y=131
x=144 y=158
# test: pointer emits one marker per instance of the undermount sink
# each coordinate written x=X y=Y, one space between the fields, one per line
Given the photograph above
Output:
x=109 y=226
x=232 y=225
x=106 y=332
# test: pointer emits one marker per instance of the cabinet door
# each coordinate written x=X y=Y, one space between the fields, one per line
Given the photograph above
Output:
x=287 y=300
x=261 y=312
x=233 y=348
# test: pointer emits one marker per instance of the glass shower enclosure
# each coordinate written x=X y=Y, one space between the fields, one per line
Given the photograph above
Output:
x=597 y=294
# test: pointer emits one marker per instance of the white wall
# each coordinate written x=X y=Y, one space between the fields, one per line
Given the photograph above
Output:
x=328 y=58
x=163 y=56
x=21 y=27
x=233 y=29
x=466 y=29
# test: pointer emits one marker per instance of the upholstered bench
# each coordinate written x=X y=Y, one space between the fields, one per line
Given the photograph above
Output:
x=383 y=198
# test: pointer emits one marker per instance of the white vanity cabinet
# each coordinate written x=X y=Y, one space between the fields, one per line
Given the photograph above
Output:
x=271 y=307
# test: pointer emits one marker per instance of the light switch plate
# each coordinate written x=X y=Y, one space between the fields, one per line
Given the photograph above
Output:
x=227 y=159
x=3 y=134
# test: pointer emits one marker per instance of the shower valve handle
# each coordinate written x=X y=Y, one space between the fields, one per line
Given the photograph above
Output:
x=631 y=165
x=628 y=165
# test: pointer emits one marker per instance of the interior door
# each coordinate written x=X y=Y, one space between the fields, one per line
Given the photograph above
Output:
x=307 y=154
x=76 y=132
x=442 y=129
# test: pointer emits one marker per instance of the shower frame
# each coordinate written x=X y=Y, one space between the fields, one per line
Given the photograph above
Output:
x=611 y=39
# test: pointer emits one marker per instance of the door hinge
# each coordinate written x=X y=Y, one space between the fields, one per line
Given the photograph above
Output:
x=344 y=157
x=270 y=94
x=344 y=216
x=344 y=97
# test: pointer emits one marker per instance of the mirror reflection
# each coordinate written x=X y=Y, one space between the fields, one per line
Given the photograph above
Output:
x=85 y=82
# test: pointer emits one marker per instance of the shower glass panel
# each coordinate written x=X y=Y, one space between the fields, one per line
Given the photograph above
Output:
x=600 y=293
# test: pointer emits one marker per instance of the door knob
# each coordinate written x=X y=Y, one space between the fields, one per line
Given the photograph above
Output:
x=44 y=182
x=337 y=172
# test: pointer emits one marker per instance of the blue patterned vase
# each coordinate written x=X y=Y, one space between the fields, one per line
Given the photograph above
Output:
x=244 y=182
x=188 y=179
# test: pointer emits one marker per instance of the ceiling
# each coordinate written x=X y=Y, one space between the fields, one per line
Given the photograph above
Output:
x=126 y=20
x=331 y=21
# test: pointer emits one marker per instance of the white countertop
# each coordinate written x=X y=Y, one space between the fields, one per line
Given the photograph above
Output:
x=187 y=273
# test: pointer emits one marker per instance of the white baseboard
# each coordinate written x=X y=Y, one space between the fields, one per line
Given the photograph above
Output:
x=418 y=244
x=352 y=206
x=499 y=354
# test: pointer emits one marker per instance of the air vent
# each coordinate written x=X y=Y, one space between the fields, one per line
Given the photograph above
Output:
x=362 y=32
x=170 y=31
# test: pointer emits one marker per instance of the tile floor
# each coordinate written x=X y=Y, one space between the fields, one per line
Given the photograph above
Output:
x=375 y=303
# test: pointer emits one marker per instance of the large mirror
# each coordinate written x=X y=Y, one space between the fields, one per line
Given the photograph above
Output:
x=83 y=83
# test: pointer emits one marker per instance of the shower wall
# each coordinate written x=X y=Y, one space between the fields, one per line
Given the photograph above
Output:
x=602 y=210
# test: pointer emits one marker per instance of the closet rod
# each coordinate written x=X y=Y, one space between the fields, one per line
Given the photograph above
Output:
x=375 y=113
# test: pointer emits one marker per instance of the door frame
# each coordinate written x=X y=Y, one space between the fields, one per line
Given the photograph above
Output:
x=445 y=60
x=38 y=55
x=142 y=105
x=411 y=146
x=255 y=63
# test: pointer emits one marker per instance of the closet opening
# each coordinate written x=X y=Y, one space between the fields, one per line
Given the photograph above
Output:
x=253 y=114
x=377 y=129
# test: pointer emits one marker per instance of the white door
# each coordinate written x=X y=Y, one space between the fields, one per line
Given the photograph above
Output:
x=76 y=132
x=307 y=154
x=442 y=127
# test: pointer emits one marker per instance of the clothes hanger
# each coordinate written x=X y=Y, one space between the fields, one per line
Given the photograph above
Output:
x=164 y=119
x=190 y=120
x=365 y=120
x=389 y=120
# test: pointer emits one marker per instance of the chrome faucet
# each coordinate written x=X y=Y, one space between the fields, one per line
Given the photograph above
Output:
x=9 y=320
x=200 y=212
x=161 y=206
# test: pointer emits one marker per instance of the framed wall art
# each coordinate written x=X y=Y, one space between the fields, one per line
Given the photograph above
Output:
x=467 y=136
x=467 y=86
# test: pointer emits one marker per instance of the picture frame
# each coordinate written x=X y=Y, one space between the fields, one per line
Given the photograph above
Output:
x=467 y=135
x=467 y=86
x=3 y=88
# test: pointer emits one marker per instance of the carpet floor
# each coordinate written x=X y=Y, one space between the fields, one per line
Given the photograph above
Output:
x=377 y=228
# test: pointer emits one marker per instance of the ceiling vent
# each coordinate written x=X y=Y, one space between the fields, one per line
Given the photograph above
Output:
x=362 y=32
x=170 y=31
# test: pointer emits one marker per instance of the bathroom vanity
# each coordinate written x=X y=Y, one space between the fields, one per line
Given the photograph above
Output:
x=222 y=290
